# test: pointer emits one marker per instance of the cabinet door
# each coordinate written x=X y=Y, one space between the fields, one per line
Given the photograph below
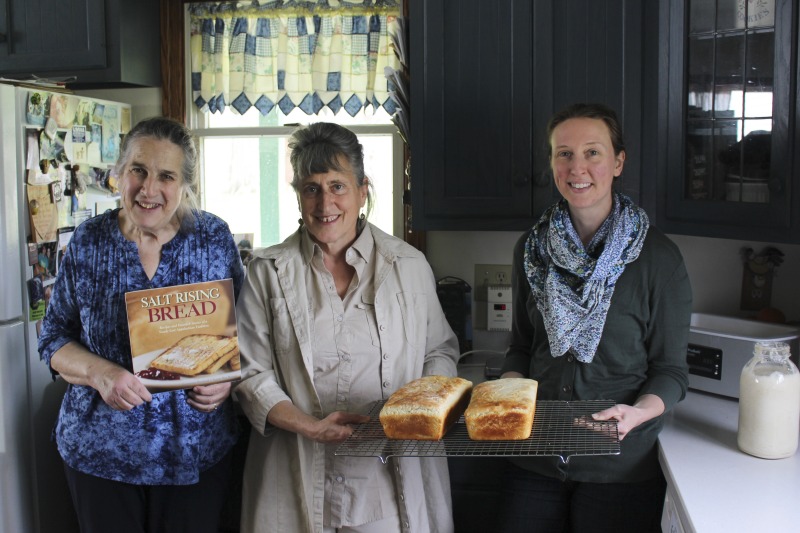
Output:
x=729 y=107
x=485 y=79
x=49 y=35
x=472 y=101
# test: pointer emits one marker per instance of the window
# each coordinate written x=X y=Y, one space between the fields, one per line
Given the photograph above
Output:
x=245 y=170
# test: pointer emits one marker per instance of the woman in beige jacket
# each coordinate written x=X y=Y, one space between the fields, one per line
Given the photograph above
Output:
x=334 y=318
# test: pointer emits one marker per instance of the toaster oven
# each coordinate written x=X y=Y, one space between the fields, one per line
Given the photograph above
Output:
x=720 y=346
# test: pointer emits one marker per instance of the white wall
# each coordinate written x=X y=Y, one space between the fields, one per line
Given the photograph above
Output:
x=714 y=266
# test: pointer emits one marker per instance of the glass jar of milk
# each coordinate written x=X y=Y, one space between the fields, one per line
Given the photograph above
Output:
x=769 y=403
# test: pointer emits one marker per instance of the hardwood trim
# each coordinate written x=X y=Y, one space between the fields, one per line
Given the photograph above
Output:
x=417 y=239
x=173 y=99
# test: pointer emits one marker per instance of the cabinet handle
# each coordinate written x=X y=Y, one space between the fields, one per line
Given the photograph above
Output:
x=521 y=180
x=544 y=178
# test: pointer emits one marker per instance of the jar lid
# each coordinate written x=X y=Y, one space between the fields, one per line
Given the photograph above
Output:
x=775 y=349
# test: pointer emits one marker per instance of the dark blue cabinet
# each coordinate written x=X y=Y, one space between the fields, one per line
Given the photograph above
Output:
x=45 y=35
x=728 y=116
x=486 y=77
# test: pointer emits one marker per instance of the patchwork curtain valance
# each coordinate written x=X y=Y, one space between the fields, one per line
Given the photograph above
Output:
x=289 y=53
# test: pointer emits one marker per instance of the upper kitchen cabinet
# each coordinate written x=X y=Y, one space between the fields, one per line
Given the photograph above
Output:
x=41 y=35
x=101 y=43
x=472 y=164
x=485 y=79
x=729 y=109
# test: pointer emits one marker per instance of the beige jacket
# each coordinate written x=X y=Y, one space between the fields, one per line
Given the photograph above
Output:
x=284 y=472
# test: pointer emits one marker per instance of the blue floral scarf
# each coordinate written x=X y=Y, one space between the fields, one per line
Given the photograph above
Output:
x=572 y=284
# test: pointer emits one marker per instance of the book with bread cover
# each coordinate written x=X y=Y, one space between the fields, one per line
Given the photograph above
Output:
x=185 y=335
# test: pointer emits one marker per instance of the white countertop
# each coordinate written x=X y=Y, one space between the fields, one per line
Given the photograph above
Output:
x=718 y=487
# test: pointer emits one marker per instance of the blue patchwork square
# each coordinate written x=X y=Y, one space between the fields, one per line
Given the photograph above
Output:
x=358 y=24
x=264 y=105
x=241 y=104
x=263 y=28
x=334 y=82
x=300 y=26
x=240 y=26
x=250 y=45
x=286 y=105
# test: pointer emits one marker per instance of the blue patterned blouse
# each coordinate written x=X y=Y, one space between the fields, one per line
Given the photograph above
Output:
x=163 y=442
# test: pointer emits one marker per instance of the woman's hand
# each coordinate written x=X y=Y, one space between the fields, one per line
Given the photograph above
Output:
x=628 y=417
x=335 y=427
x=206 y=398
x=120 y=389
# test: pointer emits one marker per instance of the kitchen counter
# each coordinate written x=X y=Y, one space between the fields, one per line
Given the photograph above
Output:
x=714 y=487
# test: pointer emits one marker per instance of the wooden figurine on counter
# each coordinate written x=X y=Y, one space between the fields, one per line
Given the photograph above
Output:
x=757 y=279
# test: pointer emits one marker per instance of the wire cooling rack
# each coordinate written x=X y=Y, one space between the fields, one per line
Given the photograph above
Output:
x=560 y=428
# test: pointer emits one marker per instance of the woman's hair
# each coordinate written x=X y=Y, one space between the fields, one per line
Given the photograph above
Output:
x=167 y=129
x=320 y=147
x=596 y=111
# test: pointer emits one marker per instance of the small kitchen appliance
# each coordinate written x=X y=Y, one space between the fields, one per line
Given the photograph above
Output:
x=720 y=346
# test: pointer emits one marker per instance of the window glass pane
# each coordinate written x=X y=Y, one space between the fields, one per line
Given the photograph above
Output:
x=760 y=13
x=728 y=14
x=700 y=76
x=701 y=16
x=246 y=181
x=699 y=159
x=728 y=69
x=759 y=72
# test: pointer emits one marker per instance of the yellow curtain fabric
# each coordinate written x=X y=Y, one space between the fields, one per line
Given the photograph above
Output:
x=291 y=54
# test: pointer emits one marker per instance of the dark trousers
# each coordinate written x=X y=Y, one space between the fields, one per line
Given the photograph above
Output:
x=105 y=506
x=537 y=504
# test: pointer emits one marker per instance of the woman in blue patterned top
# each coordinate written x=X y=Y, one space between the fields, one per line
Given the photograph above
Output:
x=134 y=461
x=601 y=310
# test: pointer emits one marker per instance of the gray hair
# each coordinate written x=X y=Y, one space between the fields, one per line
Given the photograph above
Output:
x=167 y=129
x=317 y=148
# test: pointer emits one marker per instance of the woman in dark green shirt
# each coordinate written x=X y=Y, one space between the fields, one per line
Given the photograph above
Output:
x=602 y=306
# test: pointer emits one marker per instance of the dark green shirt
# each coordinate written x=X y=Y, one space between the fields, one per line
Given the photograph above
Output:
x=642 y=351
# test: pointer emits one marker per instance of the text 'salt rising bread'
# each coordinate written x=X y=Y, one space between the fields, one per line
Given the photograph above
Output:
x=502 y=409
x=425 y=408
x=195 y=353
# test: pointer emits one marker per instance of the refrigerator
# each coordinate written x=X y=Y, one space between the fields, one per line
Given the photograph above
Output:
x=33 y=492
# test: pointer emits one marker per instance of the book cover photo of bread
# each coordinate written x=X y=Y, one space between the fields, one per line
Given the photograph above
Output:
x=184 y=336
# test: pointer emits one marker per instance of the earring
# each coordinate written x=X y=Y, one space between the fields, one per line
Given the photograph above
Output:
x=299 y=221
x=362 y=216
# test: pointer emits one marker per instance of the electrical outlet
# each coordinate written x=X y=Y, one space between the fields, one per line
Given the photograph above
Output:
x=486 y=275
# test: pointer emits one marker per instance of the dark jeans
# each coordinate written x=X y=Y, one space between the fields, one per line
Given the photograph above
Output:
x=103 y=505
x=537 y=504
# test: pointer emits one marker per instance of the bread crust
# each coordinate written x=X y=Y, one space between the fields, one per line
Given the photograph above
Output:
x=194 y=353
x=502 y=409
x=425 y=408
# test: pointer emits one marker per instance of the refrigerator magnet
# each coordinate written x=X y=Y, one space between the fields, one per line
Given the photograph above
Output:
x=55 y=191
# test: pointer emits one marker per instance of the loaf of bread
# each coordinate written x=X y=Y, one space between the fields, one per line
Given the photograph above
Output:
x=236 y=361
x=502 y=409
x=226 y=358
x=195 y=353
x=425 y=408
